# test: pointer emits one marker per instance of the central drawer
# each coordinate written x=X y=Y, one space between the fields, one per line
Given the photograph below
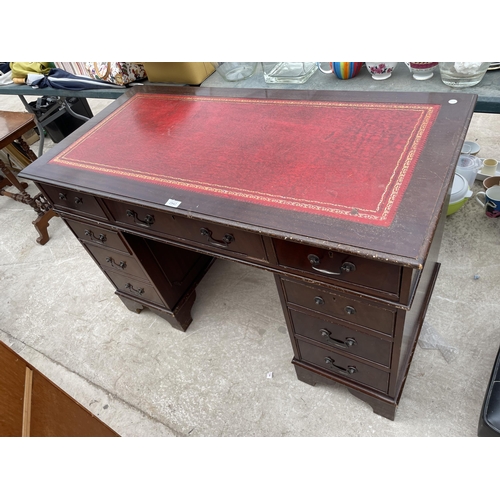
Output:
x=215 y=236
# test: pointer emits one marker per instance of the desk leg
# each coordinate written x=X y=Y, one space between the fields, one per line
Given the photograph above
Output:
x=180 y=318
x=174 y=272
x=383 y=407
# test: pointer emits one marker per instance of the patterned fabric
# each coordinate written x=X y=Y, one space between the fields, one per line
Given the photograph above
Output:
x=75 y=68
x=121 y=73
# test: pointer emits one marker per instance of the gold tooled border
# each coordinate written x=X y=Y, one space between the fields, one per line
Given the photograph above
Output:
x=408 y=156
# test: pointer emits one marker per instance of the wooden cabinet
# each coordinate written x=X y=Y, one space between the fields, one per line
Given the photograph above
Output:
x=33 y=406
x=342 y=195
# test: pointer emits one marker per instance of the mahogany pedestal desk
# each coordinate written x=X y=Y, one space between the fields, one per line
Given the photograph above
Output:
x=342 y=195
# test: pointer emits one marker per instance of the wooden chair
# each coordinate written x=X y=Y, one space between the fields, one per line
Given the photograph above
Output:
x=13 y=125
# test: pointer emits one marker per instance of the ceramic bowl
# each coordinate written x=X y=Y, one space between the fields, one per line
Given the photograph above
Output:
x=380 y=70
x=491 y=181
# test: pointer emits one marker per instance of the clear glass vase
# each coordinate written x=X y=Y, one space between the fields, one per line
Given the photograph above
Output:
x=462 y=74
x=288 y=72
x=235 y=71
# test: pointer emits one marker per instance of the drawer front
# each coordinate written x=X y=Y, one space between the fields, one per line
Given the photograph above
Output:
x=210 y=235
x=122 y=264
x=347 y=368
x=340 y=268
x=98 y=235
x=74 y=200
x=342 y=338
x=137 y=290
x=341 y=306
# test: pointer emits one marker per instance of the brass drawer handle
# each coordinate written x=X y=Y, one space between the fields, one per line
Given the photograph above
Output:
x=319 y=300
x=147 y=222
x=138 y=291
x=77 y=200
x=347 y=267
x=348 y=342
x=122 y=264
x=224 y=243
x=349 y=370
x=101 y=238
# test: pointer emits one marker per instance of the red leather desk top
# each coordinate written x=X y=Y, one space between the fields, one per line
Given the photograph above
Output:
x=362 y=172
x=344 y=160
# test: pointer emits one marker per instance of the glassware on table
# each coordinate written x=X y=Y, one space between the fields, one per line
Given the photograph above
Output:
x=462 y=74
x=235 y=71
x=288 y=72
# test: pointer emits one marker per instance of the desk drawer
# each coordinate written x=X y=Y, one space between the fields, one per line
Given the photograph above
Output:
x=347 y=368
x=340 y=268
x=342 y=338
x=357 y=312
x=137 y=290
x=98 y=235
x=74 y=200
x=122 y=264
x=210 y=235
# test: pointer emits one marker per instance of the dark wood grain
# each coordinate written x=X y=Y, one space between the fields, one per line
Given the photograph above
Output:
x=51 y=411
x=371 y=282
x=416 y=219
x=12 y=374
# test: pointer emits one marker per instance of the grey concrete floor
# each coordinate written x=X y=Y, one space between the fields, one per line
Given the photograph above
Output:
x=143 y=378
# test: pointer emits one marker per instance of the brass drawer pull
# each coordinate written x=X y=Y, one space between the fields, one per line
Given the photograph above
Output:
x=138 y=291
x=349 y=370
x=319 y=300
x=147 y=222
x=347 y=267
x=122 y=264
x=348 y=342
x=224 y=243
x=101 y=238
x=78 y=201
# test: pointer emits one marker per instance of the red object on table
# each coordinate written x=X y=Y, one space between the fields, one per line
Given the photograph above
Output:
x=346 y=160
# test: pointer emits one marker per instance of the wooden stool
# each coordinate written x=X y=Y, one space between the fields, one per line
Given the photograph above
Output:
x=12 y=126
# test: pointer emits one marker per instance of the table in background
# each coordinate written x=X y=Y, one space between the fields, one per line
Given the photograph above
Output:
x=401 y=80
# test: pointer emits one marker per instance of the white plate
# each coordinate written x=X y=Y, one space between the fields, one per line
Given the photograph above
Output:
x=480 y=176
x=474 y=148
